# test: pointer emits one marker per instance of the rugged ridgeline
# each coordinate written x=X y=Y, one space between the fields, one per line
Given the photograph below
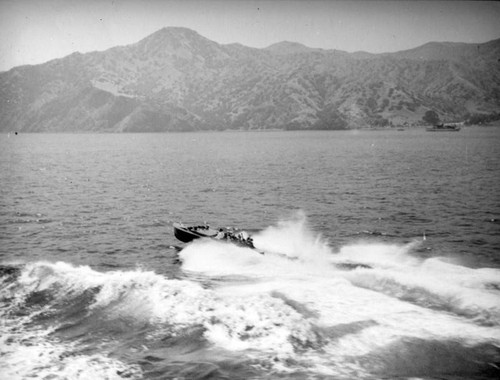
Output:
x=177 y=80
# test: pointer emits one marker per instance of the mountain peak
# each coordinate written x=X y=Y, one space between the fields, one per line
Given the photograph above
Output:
x=180 y=41
x=288 y=47
x=169 y=34
x=177 y=31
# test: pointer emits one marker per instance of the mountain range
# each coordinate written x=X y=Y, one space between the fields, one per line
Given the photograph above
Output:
x=178 y=80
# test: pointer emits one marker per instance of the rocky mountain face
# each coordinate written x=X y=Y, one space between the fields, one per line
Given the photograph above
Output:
x=177 y=80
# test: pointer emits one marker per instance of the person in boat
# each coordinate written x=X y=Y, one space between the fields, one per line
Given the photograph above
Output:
x=243 y=236
x=220 y=234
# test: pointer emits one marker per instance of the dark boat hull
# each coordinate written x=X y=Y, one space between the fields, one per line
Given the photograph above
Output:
x=183 y=235
x=188 y=234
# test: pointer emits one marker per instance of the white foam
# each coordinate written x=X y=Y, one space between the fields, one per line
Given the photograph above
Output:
x=256 y=321
x=380 y=255
x=390 y=295
x=437 y=284
x=295 y=304
x=32 y=354
x=61 y=278
x=293 y=238
x=219 y=258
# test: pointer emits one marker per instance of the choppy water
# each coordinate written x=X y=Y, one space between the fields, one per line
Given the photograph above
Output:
x=383 y=256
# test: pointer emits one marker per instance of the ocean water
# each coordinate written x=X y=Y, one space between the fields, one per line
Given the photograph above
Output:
x=382 y=255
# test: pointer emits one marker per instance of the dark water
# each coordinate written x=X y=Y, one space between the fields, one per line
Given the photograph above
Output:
x=383 y=256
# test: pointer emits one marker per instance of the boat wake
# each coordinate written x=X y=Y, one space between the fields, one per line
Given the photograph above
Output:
x=365 y=302
x=368 y=310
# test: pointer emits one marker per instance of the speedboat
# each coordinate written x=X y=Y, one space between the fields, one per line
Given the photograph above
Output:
x=187 y=234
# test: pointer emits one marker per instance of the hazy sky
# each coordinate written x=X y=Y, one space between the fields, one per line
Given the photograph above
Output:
x=35 y=31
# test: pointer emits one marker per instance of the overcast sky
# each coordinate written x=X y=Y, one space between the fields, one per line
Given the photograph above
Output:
x=35 y=31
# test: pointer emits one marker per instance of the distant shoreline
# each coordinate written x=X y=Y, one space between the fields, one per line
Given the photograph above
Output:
x=13 y=133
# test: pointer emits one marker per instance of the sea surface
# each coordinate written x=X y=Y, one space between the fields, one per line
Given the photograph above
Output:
x=382 y=255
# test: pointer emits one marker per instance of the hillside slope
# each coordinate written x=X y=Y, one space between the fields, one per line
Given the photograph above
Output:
x=177 y=80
